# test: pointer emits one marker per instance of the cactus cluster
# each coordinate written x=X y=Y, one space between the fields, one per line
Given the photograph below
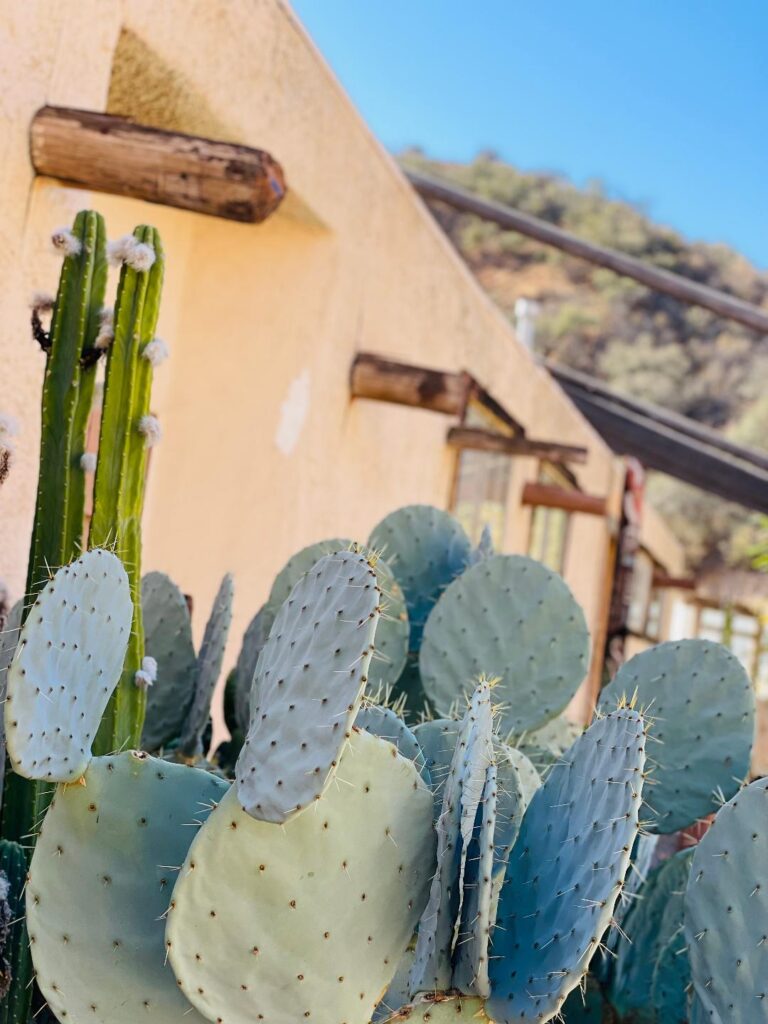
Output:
x=404 y=825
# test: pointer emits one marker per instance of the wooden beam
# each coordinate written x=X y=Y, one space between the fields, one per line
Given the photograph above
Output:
x=112 y=154
x=385 y=380
x=659 y=280
x=653 y=437
x=550 y=496
x=661 y=581
x=488 y=441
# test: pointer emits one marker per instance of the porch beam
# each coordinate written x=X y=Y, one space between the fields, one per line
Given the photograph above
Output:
x=385 y=380
x=480 y=440
x=551 y=496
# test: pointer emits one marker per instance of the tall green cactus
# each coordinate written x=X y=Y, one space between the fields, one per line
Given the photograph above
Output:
x=127 y=431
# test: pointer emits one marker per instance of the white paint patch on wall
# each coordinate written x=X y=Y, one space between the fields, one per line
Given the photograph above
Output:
x=293 y=413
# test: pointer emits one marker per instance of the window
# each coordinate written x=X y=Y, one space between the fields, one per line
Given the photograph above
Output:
x=744 y=634
x=549 y=526
x=482 y=481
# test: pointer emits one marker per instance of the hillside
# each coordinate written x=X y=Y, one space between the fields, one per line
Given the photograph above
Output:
x=644 y=344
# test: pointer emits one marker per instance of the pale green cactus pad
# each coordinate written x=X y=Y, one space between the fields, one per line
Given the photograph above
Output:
x=384 y=723
x=725 y=918
x=343 y=883
x=462 y=795
x=557 y=735
x=443 y=1009
x=99 y=886
x=470 y=970
x=655 y=917
x=671 y=981
x=208 y=669
x=398 y=994
x=566 y=871
x=701 y=708
x=168 y=639
x=437 y=740
x=426 y=549
x=393 y=629
x=587 y=1006
x=308 y=687
x=510 y=617
x=527 y=776
x=68 y=662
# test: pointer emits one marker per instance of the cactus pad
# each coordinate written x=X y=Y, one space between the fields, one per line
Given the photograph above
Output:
x=437 y=740
x=398 y=993
x=528 y=778
x=309 y=683
x=670 y=983
x=462 y=795
x=566 y=870
x=655 y=917
x=343 y=884
x=9 y=637
x=99 y=885
x=443 y=1009
x=426 y=549
x=701 y=707
x=207 y=670
x=510 y=617
x=296 y=566
x=384 y=723
x=168 y=639
x=67 y=664
x=725 y=920
x=254 y=639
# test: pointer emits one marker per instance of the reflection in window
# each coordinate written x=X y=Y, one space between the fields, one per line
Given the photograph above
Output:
x=549 y=526
x=482 y=482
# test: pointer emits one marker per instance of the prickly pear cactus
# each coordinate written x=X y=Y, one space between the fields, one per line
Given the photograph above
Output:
x=685 y=682
x=384 y=723
x=567 y=870
x=398 y=993
x=725 y=919
x=68 y=661
x=528 y=778
x=168 y=639
x=437 y=739
x=16 y=964
x=9 y=636
x=671 y=981
x=254 y=639
x=509 y=617
x=296 y=566
x=443 y=1009
x=100 y=883
x=655 y=918
x=341 y=884
x=207 y=671
x=462 y=796
x=426 y=549
x=308 y=687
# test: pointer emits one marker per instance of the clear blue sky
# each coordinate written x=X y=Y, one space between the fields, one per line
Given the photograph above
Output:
x=665 y=101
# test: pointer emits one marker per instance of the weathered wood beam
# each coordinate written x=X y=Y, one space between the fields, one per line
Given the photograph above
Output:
x=659 y=280
x=385 y=380
x=551 y=496
x=661 y=581
x=112 y=154
x=487 y=441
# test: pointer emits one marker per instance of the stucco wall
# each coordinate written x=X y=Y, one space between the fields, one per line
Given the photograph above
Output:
x=263 y=451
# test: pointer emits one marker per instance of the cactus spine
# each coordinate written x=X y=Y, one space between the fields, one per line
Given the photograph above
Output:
x=118 y=496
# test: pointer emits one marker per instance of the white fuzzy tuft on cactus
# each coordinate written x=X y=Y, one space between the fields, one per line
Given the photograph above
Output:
x=156 y=351
x=137 y=255
x=65 y=243
x=106 y=334
x=88 y=462
x=147 y=674
x=150 y=427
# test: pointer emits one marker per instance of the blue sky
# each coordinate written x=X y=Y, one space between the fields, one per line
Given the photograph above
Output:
x=665 y=101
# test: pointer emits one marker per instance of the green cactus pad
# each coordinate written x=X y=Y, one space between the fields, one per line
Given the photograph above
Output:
x=393 y=629
x=527 y=776
x=470 y=970
x=309 y=683
x=299 y=564
x=437 y=740
x=697 y=1014
x=307 y=921
x=14 y=1006
x=725 y=918
x=67 y=664
x=384 y=723
x=100 y=883
x=557 y=735
x=443 y=1009
x=509 y=617
x=654 y=918
x=426 y=549
x=701 y=707
x=168 y=639
x=254 y=639
x=671 y=980
x=207 y=670
x=566 y=871
x=462 y=795
x=586 y=1006
x=398 y=993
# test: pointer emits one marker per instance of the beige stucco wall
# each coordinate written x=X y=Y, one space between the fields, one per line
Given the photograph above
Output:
x=263 y=451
